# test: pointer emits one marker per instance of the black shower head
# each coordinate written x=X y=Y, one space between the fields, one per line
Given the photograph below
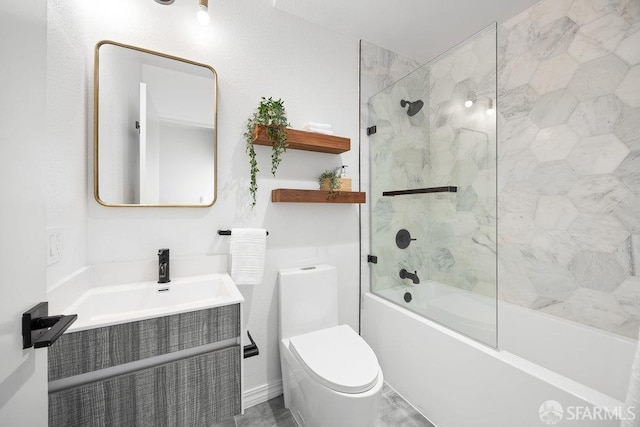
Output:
x=414 y=106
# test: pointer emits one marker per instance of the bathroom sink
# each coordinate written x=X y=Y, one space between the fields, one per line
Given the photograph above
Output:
x=108 y=305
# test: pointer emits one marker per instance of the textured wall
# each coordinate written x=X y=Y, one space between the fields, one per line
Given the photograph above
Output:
x=569 y=161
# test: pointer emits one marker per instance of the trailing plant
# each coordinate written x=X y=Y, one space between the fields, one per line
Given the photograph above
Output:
x=271 y=114
x=332 y=178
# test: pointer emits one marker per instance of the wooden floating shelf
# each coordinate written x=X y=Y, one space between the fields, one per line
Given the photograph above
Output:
x=308 y=141
x=288 y=195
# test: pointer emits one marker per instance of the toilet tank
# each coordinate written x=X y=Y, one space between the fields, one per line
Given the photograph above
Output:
x=308 y=298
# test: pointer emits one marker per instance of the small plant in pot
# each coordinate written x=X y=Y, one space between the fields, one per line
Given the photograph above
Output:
x=329 y=181
x=271 y=114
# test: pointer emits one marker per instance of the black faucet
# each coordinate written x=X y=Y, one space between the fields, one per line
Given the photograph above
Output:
x=404 y=274
x=163 y=266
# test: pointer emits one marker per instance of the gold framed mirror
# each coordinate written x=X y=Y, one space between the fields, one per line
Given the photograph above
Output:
x=155 y=129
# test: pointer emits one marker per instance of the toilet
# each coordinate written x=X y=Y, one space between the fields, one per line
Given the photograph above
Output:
x=330 y=375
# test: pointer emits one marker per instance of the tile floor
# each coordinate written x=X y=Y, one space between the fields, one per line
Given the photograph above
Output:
x=393 y=411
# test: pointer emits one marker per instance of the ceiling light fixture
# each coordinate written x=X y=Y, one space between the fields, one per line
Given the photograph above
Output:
x=203 y=12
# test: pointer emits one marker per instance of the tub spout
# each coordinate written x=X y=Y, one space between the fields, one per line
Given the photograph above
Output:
x=404 y=274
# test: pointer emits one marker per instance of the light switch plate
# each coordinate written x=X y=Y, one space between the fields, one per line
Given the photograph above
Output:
x=55 y=241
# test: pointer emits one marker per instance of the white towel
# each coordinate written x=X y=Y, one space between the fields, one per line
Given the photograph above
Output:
x=325 y=132
x=632 y=402
x=247 y=247
x=319 y=126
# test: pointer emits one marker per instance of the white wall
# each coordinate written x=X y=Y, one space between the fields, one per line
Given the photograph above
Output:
x=257 y=51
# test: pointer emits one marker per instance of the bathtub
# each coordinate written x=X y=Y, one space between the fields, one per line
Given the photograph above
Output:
x=456 y=381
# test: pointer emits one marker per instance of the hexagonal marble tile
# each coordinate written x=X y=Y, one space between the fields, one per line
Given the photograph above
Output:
x=596 y=308
x=547 y=11
x=596 y=116
x=598 y=77
x=517 y=134
x=597 y=270
x=441 y=90
x=597 y=193
x=598 y=154
x=518 y=196
x=598 y=38
x=553 y=73
x=518 y=102
x=554 y=213
x=629 y=173
x=552 y=280
x=628 y=49
x=554 y=38
x=552 y=178
x=466 y=199
x=519 y=70
x=628 y=213
x=553 y=108
x=628 y=295
x=557 y=243
x=598 y=232
x=554 y=143
x=516 y=227
x=629 y=89
x=585 y=11
x=463 y=65
x=628 y=127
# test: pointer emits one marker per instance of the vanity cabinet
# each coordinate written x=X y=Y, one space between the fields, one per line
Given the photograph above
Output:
x=177 y=370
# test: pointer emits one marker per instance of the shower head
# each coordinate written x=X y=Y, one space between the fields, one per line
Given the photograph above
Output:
x=414 y=106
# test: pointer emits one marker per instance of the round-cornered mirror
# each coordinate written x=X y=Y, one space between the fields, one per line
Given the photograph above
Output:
x=154 y=129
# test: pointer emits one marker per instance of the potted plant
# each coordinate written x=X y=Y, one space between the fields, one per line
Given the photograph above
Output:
x=271 y=114
x=329 y=181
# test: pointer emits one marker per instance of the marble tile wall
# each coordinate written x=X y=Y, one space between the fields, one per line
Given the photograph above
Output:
x=568 y=175
x=446 y=144
x=379 y=68
x=569 y=161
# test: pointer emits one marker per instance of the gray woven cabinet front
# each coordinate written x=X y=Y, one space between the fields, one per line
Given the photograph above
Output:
x=198 y=391
x=93 y=349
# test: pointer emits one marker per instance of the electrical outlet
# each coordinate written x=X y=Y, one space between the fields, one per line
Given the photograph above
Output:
x=54 y=244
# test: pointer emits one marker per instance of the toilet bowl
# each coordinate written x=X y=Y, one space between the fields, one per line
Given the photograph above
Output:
x=331 y=377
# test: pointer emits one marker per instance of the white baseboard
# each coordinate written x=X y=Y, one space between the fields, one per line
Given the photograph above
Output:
x=262 y=393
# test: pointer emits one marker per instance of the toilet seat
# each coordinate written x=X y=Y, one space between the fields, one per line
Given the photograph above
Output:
x=338 y=358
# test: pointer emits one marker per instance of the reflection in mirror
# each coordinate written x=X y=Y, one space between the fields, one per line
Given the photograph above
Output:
x=155 y=129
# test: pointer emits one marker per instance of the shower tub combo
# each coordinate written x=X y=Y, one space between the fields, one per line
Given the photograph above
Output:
x=443 y=339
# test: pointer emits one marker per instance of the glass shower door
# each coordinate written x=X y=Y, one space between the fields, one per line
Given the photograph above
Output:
x=433 y=189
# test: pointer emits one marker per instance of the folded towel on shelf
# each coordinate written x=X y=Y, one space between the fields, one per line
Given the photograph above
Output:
x=319 y=126
x=247 y=247
x=325 y=132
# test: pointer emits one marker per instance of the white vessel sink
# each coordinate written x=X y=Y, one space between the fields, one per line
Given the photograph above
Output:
x=109 y=305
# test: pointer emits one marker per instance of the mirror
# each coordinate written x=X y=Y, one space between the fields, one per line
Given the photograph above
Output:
x=154 y=129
